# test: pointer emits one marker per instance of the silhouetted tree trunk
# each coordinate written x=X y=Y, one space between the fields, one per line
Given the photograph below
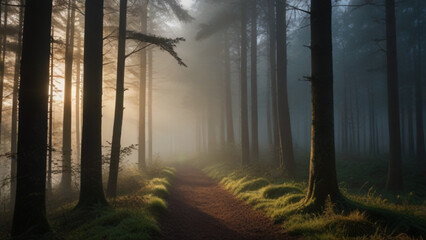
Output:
x=269 y=112
x=66 y=129
x=29 y=216
x=119 y=103
x=50 y=133
x=245 y=147
x=77 y=95
x=284 y=124
x=420 y=138
x=254 y=109
x=2 y=63
x=322 y=174
x=228 y=95
x=14 y=124
x=394 y=181
x=142 y=91
x=273 y=68
x=91 y=190
x=150 y=82
x=410 y=121
x=211 y=126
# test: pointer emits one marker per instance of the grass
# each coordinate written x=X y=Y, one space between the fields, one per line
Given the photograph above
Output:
x=378 y=215
x=131 y=215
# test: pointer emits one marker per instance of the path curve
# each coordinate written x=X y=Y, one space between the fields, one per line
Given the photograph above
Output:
x=199 y=209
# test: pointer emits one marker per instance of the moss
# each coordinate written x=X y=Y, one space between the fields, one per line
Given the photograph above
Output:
x=131 y=216
x=276 y=191
x=382 y=217
x=119 y=224
x=156 y=206
x=252 y=185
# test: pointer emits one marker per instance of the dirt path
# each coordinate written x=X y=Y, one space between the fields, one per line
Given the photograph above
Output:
x=200 y=209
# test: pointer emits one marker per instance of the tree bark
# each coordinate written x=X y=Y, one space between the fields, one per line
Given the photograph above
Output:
x=66 y=129
x=142 y=92
x=420 y=138
x=2 y=63
x=91 y=190
x=284 y=124
x=78 y=96
x=228 y=95
x=394 y=180
x=29 y=216
x=254 y=104
x=50 y=133
x=119 y=103
x=322 y=174
x=150 y=82
x=273 y=69
x=245 y=146
x=14 y=124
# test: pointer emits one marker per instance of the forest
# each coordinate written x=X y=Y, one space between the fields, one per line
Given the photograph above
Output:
x=212 y=119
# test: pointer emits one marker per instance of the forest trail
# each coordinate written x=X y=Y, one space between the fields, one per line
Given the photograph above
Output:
x=200 y=209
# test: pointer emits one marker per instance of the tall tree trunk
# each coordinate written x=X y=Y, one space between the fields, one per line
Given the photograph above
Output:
x=420 y=138
x=273 y=69
x=66 y=129
x=150 y=102
x=150 y=82
x=358 y=125
x=2 y=63
x=245 y=146
x=284 y=124
x=119 y=103
x=77 y=95
x=269 y=112
x=14 y=124
x=410 y=121
x=91 y=190
x=228 y=94
x=50 y=133
x=211 y=126
x=29 y=216
x=394 y=181
x=322 y=174
x=254 y=107
x=142 y=91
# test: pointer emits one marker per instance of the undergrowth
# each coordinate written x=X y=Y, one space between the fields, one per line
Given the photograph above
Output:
x=131 y=215
x=378 y=218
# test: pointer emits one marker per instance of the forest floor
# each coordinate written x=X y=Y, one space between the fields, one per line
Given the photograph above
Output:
x=199 y=208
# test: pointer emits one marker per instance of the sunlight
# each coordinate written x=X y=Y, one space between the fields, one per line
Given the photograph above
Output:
x=187 y=3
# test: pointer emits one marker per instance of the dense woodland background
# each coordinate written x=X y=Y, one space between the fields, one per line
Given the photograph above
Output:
x=135 y=84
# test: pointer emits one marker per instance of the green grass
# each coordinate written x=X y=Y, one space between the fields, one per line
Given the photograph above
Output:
x=131 y=215
x=380 y=215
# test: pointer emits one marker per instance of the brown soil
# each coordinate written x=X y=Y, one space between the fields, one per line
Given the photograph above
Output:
x=200 y=209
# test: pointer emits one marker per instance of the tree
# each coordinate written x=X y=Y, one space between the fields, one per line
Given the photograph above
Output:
x=66 y=130
x=14 y=124
x=29 y=216
x=322 y=174
x=142 y=90
x=284 y=124
x=254 y=107
x=394 y=180
x=273 y=68
x=420 y=138
x=119 y=103
x=2 y=61
x=91 y=190
x=228 y=93
x=244 y=106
